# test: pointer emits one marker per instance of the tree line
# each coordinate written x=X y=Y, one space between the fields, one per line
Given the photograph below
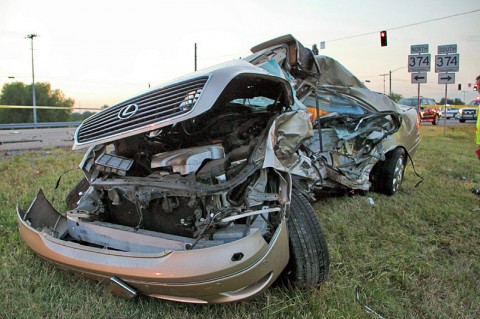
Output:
x=451 y=101
x=19 y=93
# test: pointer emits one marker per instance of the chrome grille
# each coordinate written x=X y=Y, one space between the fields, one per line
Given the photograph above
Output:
x=146 y=109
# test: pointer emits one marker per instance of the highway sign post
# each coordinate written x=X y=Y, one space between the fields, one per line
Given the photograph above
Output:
x=447 y=60
x=419 y=62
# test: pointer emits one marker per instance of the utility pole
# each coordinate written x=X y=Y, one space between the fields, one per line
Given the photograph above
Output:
x=195 y=56
x=464 y=99
x=31 y=36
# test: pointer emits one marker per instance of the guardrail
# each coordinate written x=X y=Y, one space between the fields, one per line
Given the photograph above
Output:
x=41 y=124
x=38 y=125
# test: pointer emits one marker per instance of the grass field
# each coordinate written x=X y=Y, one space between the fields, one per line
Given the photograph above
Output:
x=414 y=255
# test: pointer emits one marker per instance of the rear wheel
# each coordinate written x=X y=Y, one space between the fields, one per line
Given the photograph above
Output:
x=309 y=261
x=388 y=175
x=462 y=121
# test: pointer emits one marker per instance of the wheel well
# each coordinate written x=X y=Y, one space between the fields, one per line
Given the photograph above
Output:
x=392 y=149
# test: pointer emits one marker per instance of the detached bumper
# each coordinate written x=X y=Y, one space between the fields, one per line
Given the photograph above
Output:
x=223 y=273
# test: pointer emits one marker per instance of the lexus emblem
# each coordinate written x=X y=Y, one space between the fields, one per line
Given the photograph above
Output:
x=128 y=111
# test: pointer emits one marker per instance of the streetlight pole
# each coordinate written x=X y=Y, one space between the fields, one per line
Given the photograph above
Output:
x=31 y=36
x=390 y=78
x=195 y=57
x=384 y=75
x=390 y=83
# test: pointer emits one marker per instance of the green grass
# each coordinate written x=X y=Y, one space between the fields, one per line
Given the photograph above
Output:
x=414 y=255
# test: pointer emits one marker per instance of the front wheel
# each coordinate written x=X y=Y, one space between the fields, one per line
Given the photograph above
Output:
x=388 y=175
x=309 y=260
x=436 y=119
x=462 y=121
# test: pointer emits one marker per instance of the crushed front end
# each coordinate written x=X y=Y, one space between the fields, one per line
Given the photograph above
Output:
x=179 y=202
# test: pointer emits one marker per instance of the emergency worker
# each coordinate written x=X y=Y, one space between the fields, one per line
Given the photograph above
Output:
x=477 y=133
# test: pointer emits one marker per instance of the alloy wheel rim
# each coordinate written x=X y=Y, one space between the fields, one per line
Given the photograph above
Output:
x=398 y=173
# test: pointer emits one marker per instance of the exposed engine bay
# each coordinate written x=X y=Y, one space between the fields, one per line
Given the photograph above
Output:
x=197 y=179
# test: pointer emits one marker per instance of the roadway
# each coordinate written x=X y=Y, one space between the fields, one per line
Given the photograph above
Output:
x=451 y=122
x=29 y=139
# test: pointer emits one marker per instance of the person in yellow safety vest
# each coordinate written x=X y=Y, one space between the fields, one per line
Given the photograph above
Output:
x=477 y=133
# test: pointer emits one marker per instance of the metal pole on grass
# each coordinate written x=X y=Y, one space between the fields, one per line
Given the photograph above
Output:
x=195 y=56
x=31 y=36
x=445 y=109
x=418 y=98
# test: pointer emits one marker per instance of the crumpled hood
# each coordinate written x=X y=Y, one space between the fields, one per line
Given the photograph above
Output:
x=337 y=77
x=333 y=73
x=172 y=102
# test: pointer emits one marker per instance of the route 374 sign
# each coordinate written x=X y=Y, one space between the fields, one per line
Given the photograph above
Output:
x=419 y=63
x=447 y=63
x=447 y=60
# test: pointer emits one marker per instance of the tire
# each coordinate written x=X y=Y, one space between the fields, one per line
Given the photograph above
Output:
x=462 y=121
x=309 y=260
x=388 y=175
x=73 y=196
x=435 y=121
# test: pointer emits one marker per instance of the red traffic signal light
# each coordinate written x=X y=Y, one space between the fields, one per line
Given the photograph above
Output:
x=475 y=87
x=383 y=38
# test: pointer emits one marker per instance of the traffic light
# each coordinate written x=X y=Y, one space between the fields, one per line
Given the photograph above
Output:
x=383 y=38
x=475 y=87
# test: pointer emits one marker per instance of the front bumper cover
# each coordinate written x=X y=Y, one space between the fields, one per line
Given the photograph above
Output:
x=208 y=275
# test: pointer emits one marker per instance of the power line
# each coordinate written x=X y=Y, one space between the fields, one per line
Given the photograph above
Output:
x=405 y=26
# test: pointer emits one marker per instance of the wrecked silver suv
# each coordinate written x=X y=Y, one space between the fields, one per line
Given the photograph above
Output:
x=198 y=190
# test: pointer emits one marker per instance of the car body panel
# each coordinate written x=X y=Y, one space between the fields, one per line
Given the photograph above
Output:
x=467 y=113
x=451 y=113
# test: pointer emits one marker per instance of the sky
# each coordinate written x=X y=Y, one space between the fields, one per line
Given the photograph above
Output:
x=101 y=52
